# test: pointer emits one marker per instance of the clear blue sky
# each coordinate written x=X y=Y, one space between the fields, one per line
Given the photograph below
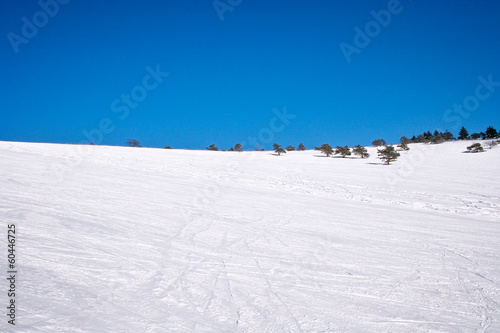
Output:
x=227 y=76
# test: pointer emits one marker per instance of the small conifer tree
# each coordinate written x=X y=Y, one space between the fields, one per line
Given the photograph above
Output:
x=379 y=142
x=343 y=151
x=405 y=140
x=448 y=136
x=133 y=143
x=388 y=154
x=212 y=147
x=290 y=148
x=463 y=134
x=238 y=147
x=301 y=147
x=325 y=149
x=360 y=151
x=491 y=133
x=403 y=146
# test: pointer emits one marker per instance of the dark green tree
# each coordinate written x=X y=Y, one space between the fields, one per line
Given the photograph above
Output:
x=290 y=148
x=360 y=151
x=238 y=147
x=404 y=146
x=491 y=133
x=379 y=142
x=463 y=134
x=133 y=143
x=475 y=148
x=448 y=136
x=325 y=148
x=276 y=146
x=388 y=154
x=404 y=140
x=342 y=151
x=475 y=136
x=212 y=147
x=438 y=138
x=168 y=147
x=301 y=147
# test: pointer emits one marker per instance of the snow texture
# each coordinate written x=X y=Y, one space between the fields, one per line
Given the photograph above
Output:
x=118 y=239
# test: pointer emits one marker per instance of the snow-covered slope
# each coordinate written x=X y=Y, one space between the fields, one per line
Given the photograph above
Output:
x=115 y=239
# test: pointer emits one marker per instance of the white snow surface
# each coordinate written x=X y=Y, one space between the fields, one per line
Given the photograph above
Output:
x=118 y=239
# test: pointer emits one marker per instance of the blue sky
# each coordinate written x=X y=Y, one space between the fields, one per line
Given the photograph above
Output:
x=231 y=80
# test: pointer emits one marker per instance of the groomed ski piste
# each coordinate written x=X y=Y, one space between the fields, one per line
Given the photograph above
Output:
x=119 y=239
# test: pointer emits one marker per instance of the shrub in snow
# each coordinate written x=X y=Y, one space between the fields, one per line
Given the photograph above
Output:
x=475 y=148
x=280 y=151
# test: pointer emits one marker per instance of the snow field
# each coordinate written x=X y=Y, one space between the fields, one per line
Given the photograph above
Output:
x=153 y=240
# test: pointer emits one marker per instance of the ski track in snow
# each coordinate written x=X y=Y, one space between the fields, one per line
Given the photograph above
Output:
x=152 y=240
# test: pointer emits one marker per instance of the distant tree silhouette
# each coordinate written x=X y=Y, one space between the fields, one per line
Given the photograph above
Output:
x=463 y=134
x=404 y=140
x=168 y=147
x=238 y=147
x=379 y=142
x=448 y=136
x=301 y=147
x=491 y=133
x=290 y=148
x=212 y=147
x=133 y=143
